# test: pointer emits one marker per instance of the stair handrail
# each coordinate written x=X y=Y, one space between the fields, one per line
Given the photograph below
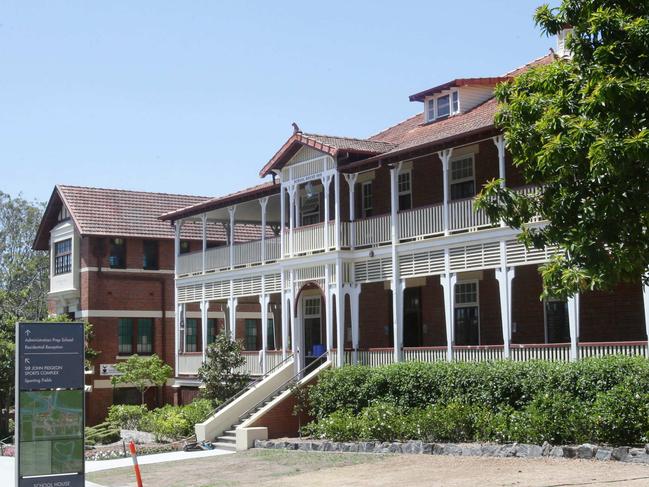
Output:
x=248 y=386
x=315 y=361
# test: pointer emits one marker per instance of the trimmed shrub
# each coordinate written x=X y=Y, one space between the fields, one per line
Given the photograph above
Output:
x=101 y=434
x=621 y=416
x=596 y=399
x=167 y=423
x=126 y=417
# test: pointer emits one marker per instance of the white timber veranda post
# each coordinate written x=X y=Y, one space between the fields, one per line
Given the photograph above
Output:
x=291 y=218
x=204 y=223
x=326 y=180
x=263 y=303
x=295 y=343
x=499 y=141
x=177 y=227
x=232 y=316
x=397 y=285
x=337 y=208
x=232 y=211
x=263 y=202
x=351 y=182
x=445 y=157
x=340 y=314
x=645 y=298
x=284 y=310
x=205 y=306
x=354 y=300
x=448 y=281
x=573 y=321
x=329 y=322
x=282 y=226
x=504 y=276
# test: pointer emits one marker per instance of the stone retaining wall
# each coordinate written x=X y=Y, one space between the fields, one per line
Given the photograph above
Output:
x=519 y=450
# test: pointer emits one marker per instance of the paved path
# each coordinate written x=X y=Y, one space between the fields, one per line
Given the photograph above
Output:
x=7 y=464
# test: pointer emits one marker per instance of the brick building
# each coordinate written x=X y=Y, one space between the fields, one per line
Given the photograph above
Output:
x=112 y=264
x=381 y=257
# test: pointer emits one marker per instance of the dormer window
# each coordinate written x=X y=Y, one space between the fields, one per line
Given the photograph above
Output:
x=442 y=105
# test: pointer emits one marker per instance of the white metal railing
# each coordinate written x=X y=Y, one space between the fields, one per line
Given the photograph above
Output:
x=375 y=357
x=477 y=353
x=463 y=217
x=273 y=248
x=306 y=239
x=189 y=363
x=190 y=263
x=424 y=354
x=554 y=352
x=421 y=222
x=599 y=349
x=373 y=231
x=217 y=258
x=247 y=252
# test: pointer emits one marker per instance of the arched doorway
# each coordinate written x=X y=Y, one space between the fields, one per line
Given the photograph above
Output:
x=311 y=333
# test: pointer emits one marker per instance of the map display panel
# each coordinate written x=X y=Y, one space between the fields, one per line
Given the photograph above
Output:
x=51 y=432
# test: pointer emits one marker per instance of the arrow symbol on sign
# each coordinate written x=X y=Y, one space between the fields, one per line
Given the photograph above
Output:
x=28 y=332
x=26 y=360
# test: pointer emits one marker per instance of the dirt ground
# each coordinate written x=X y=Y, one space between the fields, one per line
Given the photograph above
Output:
x=314 y=469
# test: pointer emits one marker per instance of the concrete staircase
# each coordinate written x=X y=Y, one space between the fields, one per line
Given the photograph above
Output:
x=228 y=440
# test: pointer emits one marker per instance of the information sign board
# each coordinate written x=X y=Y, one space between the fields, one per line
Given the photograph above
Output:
x=50 y=404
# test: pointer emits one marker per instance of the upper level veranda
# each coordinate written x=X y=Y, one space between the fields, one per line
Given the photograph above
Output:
x=322 y=205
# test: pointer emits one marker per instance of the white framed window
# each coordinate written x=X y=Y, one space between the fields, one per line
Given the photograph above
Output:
x=366 y=199
x=63 y=257
x=404 y=185
x=312 y=307
x=462 y=177
x=443 y=105
x=310 y=209
x=467 y=313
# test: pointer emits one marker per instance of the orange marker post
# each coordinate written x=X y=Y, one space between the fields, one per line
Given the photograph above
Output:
x=136 y=467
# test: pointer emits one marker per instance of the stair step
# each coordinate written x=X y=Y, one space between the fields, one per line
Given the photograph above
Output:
x=225 y=446
x=227 y=439
x=231 y=432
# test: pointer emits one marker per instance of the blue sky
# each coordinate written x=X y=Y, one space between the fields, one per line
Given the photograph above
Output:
x=195 y=96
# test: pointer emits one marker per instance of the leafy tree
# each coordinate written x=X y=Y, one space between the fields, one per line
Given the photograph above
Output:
x=142 y=372
x=24 y=282
x=579 y=127
x=219 y=372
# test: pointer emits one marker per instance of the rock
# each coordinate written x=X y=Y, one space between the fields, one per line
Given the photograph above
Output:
x=489 y=450
x=546 y=449
x=438 y=449
x=557 y=452
x=471 y=451
x=304 y=446
x=366 y=447
x=637 y=455
x=270 y=444
x=528 y=451
x=603 y=454
x=507 y=451
x=427 y=448
x=569 y=452
x=451 y=449
x=646 y=448
x=326 y=446
x=138 y=437
x=412 y=447
x=620 y=453
x=586 y=451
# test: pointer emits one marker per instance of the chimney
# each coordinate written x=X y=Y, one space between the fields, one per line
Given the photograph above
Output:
x=562 y=50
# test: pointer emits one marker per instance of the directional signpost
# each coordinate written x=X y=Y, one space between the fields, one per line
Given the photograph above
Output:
x=50 y=405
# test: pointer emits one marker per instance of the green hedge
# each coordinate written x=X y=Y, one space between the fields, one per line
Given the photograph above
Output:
x=166 y=423
x=599 y=399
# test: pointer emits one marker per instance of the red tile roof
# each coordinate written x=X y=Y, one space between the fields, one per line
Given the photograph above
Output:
x=328 y=144
x=255 y=192
x=114 y=212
